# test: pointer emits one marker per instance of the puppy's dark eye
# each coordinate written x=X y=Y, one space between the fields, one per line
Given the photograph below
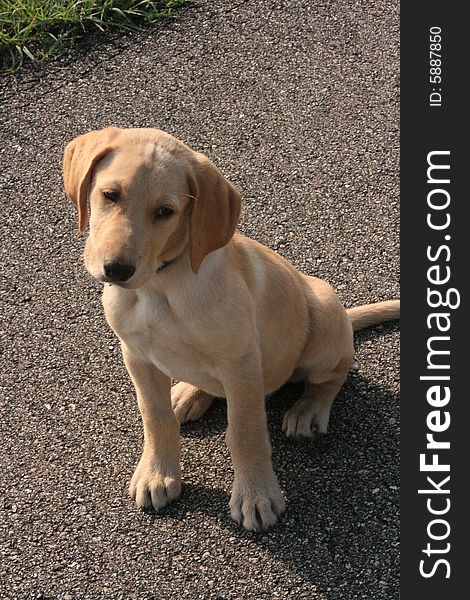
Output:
x=164 y=212
x=111 y=195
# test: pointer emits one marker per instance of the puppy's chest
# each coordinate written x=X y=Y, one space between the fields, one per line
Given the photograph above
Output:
x=155 y=332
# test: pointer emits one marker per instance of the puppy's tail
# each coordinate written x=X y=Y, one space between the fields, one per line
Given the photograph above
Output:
x=372 y=314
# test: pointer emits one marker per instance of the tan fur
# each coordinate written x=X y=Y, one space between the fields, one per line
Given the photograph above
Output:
x=371 y=314
x=228 y=317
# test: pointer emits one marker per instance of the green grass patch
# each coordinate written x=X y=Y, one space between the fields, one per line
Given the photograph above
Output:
x=38 y=29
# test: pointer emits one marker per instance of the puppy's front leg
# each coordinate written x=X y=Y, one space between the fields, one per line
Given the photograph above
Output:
x=157 y=478
x=257 y=500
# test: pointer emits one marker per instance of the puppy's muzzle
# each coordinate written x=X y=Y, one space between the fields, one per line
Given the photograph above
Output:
x=118 y=272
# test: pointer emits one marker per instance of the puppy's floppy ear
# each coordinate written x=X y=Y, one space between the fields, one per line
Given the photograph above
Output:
x=216 y=206
x=80 y=157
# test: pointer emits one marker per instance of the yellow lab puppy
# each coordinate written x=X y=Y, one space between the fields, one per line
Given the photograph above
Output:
x=192 y=300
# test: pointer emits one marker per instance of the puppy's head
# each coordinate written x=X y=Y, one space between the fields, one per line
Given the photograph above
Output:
x=150 y=198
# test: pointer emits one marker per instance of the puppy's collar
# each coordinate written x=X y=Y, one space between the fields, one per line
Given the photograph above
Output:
x=167 y=263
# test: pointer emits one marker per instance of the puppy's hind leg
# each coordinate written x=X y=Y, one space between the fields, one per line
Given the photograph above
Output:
x=308 y=417
x=189 y=403
x=326 y=360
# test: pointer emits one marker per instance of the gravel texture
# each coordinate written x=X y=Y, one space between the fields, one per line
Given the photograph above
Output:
x=298 y=103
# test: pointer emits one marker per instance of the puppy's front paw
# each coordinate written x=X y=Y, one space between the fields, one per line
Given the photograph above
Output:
x=188 y=402
x=257 y=506
x=152 y=486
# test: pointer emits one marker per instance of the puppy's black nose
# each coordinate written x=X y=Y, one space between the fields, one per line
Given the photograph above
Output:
x=117 y=271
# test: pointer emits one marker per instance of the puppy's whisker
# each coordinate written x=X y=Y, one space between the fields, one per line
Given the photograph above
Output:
x=183 y=194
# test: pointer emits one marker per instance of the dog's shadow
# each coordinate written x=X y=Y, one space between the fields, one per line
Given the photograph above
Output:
x=341 y=523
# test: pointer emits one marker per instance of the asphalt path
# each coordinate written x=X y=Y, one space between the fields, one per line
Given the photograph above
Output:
x=298 y=104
